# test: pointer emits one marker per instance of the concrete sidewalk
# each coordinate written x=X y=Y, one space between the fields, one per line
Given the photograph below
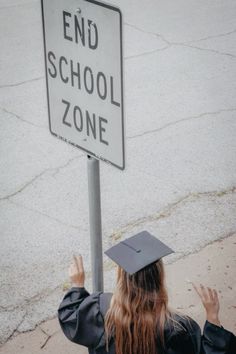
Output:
x=215 y=265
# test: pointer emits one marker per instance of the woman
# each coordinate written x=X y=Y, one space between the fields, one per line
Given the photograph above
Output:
x=136 y=319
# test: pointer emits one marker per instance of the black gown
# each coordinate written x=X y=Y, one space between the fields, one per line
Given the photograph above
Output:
x=81 y=317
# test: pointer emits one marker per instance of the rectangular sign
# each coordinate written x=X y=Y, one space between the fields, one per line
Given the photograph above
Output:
x=84 y=74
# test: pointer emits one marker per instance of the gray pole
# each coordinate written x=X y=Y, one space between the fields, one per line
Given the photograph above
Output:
x=95 y=223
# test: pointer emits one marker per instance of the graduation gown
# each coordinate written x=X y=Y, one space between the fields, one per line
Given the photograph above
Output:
x=81 y=317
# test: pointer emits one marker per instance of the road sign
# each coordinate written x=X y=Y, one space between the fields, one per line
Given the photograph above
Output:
x=84 y=73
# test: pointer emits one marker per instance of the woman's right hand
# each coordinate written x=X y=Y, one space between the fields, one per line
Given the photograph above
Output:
x=210 y=301
x=76 y=272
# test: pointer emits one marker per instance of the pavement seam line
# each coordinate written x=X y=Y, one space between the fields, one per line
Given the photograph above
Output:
x=49 y=336
x=45 y=332
x=167 y=211
x=45 y=343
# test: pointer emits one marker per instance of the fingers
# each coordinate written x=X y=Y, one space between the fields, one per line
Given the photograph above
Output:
x=76 y=266
x=75 y=262
x=210 y=293
x=72 y=269
x=78 y=261
x=206 y=293
x=215 y=295
x=76 y=271
x=196 y=289
x=200 y=291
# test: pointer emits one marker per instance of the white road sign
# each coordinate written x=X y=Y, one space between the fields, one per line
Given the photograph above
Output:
x=84 y=72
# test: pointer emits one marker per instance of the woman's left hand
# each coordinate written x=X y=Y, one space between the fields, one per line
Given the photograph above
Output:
x=210 y=301
x=76 y=272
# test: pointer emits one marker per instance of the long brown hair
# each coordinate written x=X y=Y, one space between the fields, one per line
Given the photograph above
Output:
x=138 y=311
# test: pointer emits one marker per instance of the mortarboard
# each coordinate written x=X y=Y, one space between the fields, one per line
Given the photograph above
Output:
x=138 y=251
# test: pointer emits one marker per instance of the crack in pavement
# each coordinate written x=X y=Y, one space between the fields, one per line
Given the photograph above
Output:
x=38 y=297
x=167 y=211
x=49 y=336
x=30 y=301
x=76 y=227
x=206 y=49
x=147 y=53
x=210 y=37
x=16 y=329
x=149 y=32
x=182 y=120
x=22 y=119
x=21 y=82
x=151 y=51
x=41 y=295
x=185 y=44
x=186 y=254
x=57 y=169
x=9 y=308
x=27 y=184
x=180 y=45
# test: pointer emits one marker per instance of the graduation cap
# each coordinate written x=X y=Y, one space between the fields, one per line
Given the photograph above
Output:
x=138 y=251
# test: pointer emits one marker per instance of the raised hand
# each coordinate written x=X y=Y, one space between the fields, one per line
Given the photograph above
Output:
x=76 y=272
x=210 y=301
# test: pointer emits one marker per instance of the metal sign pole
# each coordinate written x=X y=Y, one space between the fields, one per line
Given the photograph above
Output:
x=95 y=223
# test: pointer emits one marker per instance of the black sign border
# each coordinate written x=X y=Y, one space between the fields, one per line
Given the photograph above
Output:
x=122 y=167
